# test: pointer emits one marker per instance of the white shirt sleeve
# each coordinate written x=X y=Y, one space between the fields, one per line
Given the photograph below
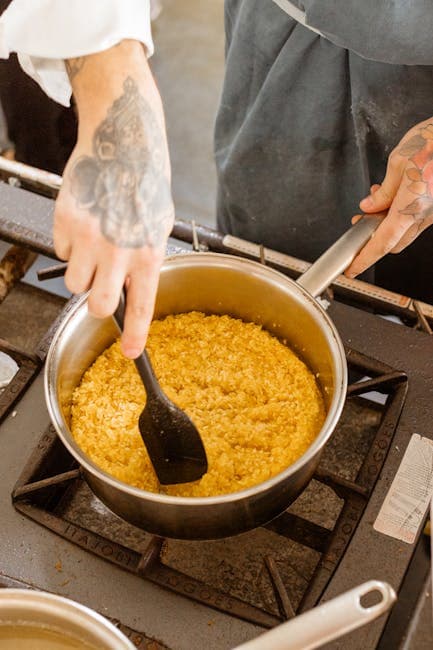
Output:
x=45 y=32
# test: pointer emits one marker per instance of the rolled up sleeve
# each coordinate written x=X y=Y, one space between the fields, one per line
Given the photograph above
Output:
x=46 y=32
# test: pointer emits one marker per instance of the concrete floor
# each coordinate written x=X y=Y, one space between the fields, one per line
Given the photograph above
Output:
x=188 y=64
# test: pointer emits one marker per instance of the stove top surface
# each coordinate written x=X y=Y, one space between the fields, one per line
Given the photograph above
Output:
x=36 y=556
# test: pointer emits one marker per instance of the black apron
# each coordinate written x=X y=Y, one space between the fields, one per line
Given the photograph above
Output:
x=306 y=123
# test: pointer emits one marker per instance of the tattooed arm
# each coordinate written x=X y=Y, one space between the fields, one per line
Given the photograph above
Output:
x=115 y=212
x=406 y=192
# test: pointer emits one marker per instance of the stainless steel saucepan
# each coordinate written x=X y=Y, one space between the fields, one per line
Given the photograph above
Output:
x=216 y=284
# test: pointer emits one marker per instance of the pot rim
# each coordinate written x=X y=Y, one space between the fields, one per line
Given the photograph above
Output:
x=47 y=603
x=323 y=436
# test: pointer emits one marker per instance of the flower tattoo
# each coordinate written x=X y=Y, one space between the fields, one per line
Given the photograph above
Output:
x=419 y=150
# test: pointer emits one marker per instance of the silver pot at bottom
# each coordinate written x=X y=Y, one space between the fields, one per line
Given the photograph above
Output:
x=25 y=608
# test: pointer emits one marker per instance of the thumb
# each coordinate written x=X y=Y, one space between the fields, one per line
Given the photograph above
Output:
x=381 y=196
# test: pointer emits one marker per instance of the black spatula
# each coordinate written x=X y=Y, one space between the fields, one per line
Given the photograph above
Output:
x=172 y=441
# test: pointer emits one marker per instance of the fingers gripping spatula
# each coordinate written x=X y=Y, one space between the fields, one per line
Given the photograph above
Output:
x=172 y=441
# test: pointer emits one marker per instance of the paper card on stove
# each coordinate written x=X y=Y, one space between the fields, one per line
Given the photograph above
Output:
x=406 y=503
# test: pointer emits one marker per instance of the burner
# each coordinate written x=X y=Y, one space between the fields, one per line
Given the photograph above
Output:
x=266 y=575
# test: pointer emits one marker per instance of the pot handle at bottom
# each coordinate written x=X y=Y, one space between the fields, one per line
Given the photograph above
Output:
x=340 y=255
x=326 y=622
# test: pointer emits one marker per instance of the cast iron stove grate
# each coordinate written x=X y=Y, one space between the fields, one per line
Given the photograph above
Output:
x=28 y=367
x=263 y=576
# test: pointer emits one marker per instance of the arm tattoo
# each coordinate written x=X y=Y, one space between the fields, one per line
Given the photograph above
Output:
x=73 y=66
x=419 y=150
x=124 y=182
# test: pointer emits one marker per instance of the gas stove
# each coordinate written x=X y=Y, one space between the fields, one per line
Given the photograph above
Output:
x=58 y=536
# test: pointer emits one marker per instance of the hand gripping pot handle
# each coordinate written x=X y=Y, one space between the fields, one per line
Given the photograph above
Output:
x=339 y=256
x=326 y=622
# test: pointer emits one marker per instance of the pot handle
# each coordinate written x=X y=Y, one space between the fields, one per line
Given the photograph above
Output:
x=326 y=622
x=337 y=259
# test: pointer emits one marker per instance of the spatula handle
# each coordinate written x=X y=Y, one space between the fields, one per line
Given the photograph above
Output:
x=147 y=374
x=142 y=363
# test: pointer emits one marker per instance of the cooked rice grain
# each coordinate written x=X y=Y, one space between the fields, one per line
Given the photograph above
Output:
x=256 y=404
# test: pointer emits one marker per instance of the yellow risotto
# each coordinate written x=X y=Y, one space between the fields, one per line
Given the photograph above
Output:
x=256 y=404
